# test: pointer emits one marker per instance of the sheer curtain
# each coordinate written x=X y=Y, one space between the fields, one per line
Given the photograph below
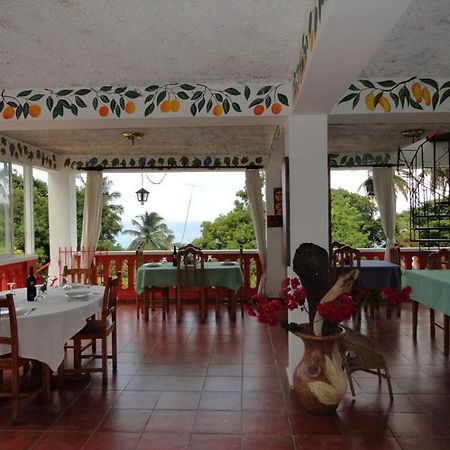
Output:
x=92 y=216
x=253 y=186
x=383 y=184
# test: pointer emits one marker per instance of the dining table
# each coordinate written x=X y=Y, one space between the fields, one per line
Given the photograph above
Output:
x=224 y=274
x=376 y=274
x=45 y=325
x=430 y=288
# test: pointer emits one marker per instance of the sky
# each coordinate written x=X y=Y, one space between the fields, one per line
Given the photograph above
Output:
x=213 y=192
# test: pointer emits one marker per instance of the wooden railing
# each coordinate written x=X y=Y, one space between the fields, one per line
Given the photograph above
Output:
x=109 y=263
x=412 y=257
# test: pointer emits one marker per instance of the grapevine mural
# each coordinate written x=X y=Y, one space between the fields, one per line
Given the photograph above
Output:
x=307 y=44
x=387 y=95
x=164 y=162
x=361 y=159
x=118 y=101
x=20 y=153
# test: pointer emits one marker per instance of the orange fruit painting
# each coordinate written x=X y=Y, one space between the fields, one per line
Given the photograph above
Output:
x=8 y=113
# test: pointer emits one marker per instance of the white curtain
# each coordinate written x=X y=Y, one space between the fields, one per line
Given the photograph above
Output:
x=383 y=184
x=254 y=193
x=92 y=216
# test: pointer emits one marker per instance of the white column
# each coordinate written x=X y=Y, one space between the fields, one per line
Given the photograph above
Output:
x=62 y=214
x=307 y=141
x=276 y=269
x=28 y=209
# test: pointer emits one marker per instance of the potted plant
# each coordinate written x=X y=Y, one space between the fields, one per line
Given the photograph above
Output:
x=319 y=380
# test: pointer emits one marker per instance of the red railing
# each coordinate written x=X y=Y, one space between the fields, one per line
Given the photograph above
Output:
x=16 y=271
x=412 y=257
x=109 y=262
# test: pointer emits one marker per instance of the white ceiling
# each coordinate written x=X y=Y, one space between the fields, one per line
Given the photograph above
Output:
x=156 y=141
x=55 y=43
x=418 y=45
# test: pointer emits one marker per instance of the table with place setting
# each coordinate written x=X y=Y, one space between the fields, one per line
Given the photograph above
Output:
x=226 y=274
x=45 y=325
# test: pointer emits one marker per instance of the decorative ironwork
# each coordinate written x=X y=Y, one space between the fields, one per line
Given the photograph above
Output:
x=427 y=162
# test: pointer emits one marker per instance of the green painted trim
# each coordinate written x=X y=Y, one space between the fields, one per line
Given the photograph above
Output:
x=338 y=160
x=20 y=153
x=161 y=162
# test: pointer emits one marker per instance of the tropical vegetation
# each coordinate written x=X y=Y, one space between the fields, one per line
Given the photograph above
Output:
x=151 y=233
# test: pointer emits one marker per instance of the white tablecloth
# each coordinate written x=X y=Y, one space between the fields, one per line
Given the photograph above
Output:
x=43 y=332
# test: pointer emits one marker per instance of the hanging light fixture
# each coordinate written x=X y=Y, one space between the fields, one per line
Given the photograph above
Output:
x=142 y=194
x=368 y=186
x=133 y=136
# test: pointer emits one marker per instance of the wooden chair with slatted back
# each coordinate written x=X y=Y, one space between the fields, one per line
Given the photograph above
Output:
x=191 y=275
x=13 y=362
x=344 y=257
x=438 y=261
x=335 y=245
x=79 y=275
x=100 y=330
x=396 y=255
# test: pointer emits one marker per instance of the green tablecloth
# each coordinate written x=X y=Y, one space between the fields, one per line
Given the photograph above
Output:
x=430 y=287
x=165 y=275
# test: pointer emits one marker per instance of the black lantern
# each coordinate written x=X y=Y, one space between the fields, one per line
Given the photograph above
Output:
x=368 y=186
x=142 y=195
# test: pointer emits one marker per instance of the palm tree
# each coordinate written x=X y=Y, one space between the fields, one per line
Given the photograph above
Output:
x=151 y=233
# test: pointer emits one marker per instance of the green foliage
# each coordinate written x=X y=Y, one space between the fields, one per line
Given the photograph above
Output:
x=41 y=235
x=111 y=222
x=151 y=233
x=111 y=216
x=353 y=220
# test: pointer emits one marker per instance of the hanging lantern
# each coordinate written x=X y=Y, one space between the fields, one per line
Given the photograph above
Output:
x=142 y=193
x=368 y=186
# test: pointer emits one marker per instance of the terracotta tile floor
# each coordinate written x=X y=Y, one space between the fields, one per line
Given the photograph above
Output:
x=223 y=386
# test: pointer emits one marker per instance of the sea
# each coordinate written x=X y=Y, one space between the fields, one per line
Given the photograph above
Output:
x=192 y=232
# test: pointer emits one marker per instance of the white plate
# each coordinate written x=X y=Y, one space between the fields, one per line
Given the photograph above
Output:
x=228 y=263
x=5 y=312
x=78 y=294
x=152 y=264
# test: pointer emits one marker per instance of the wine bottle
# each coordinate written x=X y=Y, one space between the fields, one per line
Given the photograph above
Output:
x=31 y=286
x=174 y=256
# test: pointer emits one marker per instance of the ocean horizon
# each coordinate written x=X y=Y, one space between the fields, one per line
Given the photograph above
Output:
x=192 y=232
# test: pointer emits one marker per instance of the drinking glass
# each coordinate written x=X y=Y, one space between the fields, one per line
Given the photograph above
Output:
x=11 y=285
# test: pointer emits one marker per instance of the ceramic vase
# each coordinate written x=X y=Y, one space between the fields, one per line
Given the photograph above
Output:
x=319 y=380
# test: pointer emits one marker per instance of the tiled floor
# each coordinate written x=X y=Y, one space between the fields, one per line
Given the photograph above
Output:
x=222 y=386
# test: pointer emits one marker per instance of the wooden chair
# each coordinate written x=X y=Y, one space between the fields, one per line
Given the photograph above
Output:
x=439 y=261
x=335 y=245
x=13 y=362
x=396 y=255
x=344 y=257
x=100 y=329
x=191 y=275
x=358 y=353
x=80 y=275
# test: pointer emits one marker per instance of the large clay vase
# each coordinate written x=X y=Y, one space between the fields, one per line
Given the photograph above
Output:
x=319 y=381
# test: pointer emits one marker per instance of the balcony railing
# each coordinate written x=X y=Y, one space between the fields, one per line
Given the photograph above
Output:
x=110 y=262
x=15 y=269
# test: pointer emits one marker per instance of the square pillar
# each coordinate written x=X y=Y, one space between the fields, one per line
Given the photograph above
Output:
x=62 y=214
x=28 y=201
x=307 y=149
